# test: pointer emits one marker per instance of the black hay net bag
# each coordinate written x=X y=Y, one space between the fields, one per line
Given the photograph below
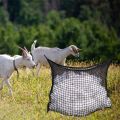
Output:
x=78 y=91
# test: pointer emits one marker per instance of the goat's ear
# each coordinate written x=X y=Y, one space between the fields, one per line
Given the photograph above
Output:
x=74 y=50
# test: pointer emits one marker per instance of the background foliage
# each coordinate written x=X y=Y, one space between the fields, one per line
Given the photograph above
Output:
x=92 y=25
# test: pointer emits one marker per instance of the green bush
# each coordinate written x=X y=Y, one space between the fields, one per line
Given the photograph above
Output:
x=3 y=16
x=9 y=36
x=101 y=42
x=67 y=32
x=27 y=35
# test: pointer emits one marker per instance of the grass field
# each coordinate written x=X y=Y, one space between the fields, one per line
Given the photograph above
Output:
x=31 y=95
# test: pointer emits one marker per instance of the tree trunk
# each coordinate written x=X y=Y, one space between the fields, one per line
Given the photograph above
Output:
x=5 y=4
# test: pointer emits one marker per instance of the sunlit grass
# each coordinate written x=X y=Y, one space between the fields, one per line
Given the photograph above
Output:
x=31 y=95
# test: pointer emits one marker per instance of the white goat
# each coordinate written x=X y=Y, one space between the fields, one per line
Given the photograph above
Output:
x=55 y=54
x=9 y=64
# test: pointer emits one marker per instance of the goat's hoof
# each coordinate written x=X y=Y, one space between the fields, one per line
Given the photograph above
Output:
x=10 y=94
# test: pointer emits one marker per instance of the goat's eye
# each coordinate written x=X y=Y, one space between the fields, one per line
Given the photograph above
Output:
x=28 y=59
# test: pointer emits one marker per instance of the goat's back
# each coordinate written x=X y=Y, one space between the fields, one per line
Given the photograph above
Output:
x=52 y=53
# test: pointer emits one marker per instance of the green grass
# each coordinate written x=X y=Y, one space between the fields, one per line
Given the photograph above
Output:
x=31 y=95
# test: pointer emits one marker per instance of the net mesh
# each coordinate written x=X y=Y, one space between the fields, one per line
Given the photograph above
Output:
x=78 y=91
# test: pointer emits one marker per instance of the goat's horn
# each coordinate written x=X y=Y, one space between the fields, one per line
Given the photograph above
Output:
x=25 y=49
x=22 y=49
x=79 y=49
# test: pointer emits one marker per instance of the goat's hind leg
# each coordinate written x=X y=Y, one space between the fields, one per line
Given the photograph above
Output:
x=9 y=86
x=38 y=69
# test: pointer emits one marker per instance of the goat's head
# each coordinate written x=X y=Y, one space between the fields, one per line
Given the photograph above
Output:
x=27 y=58
x=74 y=50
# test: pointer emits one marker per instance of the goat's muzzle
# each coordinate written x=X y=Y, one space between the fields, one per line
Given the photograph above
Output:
x=34 y=66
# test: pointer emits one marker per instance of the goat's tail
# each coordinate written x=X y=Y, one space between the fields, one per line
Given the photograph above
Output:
x=33 y=45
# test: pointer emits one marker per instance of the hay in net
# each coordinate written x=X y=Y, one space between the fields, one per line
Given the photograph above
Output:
x=78 y=91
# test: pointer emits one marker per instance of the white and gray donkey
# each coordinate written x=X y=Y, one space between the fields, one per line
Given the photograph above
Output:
x=9 y=64
x=55 y=54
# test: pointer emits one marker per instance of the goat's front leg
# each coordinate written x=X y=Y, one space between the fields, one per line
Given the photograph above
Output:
x=38 y=69
x=2 y=84
x=9 y=86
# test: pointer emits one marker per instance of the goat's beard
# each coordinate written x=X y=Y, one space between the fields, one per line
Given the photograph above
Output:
x=77 y=55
